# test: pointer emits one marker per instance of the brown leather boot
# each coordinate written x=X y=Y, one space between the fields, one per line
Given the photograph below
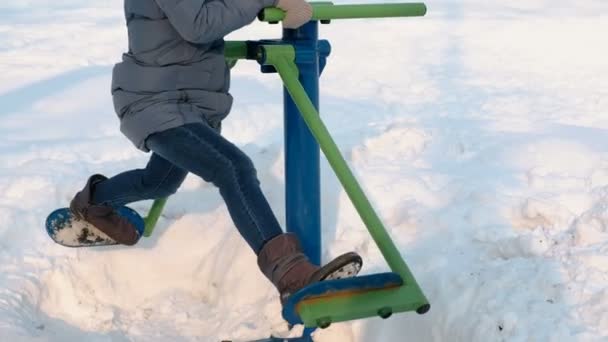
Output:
x=103 y=217
x=285 y=265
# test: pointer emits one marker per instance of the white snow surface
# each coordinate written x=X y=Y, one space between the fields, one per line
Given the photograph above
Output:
x=480 y=134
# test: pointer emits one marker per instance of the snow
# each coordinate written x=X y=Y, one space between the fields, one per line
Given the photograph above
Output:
x=480 y=134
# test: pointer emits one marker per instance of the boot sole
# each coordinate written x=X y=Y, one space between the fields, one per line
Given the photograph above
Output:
x=345 y=266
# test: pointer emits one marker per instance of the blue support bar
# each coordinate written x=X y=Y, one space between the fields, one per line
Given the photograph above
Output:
x=302 y=152
x=305 y=338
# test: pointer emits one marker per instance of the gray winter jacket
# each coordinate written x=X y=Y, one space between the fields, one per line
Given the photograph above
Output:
x=175 y=71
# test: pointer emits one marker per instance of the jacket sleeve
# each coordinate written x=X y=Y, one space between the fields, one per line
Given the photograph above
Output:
x=203 y=21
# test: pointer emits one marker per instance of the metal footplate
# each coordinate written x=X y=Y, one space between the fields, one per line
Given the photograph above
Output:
x=294 y=310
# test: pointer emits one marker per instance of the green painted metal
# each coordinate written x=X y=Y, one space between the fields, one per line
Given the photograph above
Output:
x=360 y=305
x=328 y=11
x=235 y=50
x=154 y=215
x=408 y=297
x=282 y=57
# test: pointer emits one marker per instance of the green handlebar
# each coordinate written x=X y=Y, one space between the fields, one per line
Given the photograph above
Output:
x=327 y=11
x=235 y=50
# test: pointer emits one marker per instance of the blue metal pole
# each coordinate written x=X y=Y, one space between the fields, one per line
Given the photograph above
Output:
x=302 y=153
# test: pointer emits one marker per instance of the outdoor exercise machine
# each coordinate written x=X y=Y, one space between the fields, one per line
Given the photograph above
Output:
x=299 y=58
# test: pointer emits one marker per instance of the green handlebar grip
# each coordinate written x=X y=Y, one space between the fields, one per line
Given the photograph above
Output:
x=325 y=11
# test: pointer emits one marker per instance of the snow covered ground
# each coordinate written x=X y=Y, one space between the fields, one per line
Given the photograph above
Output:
x=480 y=133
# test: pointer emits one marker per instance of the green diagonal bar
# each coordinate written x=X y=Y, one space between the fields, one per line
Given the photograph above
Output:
x=282 y=57
x=328 y=11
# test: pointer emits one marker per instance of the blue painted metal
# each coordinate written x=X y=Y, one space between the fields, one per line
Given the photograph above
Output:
x=334 y=287
x=305 y=338
x=324 y=51
x=62 y=219
x=302 y=152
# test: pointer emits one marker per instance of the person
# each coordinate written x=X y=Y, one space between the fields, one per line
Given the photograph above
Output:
x=170 y=93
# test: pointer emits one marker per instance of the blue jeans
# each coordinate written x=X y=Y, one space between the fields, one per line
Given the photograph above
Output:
x=199 y=149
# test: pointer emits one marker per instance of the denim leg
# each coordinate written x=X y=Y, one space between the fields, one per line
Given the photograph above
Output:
x=201 y=150
x=159 y=179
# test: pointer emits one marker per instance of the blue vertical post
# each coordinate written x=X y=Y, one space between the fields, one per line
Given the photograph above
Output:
x=302 y=152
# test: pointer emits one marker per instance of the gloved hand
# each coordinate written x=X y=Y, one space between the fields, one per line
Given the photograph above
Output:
x=297 y=13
